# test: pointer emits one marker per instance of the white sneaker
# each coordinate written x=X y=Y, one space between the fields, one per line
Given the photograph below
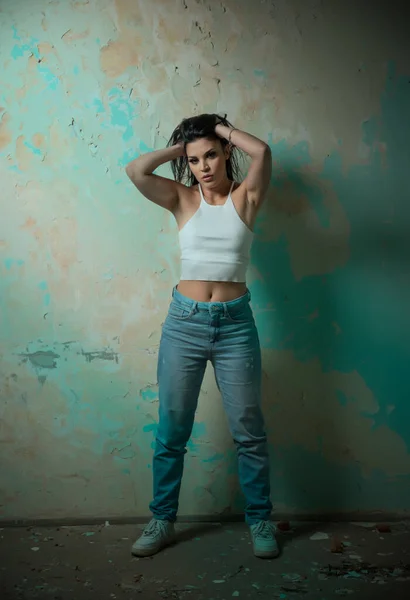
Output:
x=264 y=540
x=156 y=536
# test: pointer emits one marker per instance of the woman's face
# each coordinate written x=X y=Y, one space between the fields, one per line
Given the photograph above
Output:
x=207 y=161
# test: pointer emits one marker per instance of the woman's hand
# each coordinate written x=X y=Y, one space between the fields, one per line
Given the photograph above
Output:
x=222 y=127
x=223 y=132
x=180 y=148
x=220 y=120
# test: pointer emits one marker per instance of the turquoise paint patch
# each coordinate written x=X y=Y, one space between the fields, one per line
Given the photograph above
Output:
x=131 y=154
x=149 y=395
x=33 y=149
x=10 y=262
x=123 y=111
x=76 y=70
x=43 y=285
x=144 y=148
x=99 y=106
x=31 y=48
x=15 y=33
x=198 y=430
x=151 y=427
x=21 y=49
x=259 y=73
x=192 y=446
x=128 y=156
x=50 y=78
x=16 y=52
x=213 y=458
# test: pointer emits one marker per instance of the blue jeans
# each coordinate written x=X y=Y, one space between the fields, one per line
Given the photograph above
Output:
x=225 y=334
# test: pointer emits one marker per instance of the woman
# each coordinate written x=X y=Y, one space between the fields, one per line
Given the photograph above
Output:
x=209 y=317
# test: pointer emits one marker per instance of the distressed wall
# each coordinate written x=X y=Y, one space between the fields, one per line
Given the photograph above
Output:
x=87 y=265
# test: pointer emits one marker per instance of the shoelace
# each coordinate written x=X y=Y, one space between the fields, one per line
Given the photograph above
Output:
x=264 y=529
x=155 y=528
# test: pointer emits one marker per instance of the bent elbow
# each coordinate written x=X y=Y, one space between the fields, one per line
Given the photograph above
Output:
x=132 y=170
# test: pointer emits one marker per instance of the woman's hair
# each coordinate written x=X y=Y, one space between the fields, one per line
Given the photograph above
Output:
x=193 y=128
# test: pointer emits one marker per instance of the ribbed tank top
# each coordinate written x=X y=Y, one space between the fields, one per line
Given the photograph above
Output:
x=215 y=243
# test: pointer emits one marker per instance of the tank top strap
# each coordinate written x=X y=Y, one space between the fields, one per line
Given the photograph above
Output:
x=230 y=191
x=202 y=195
x=229 y=198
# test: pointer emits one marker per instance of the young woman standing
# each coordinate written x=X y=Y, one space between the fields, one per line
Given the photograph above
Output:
x=209 y=318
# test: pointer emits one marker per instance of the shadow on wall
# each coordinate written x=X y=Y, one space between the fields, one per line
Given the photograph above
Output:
x=296 y=314
x=330 y=296
x=330 y=292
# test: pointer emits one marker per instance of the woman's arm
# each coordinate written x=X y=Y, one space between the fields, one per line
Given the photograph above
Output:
x=160 y=190
x=260 y=170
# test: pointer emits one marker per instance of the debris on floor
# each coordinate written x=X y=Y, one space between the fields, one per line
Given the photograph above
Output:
x=368 y=572
x=336 y=545
x=383 y=528
x=211 y=561
x=283 y=526
x=319 y=535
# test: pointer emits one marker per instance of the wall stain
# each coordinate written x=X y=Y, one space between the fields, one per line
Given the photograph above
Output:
x=100 y=355
x=42 y=359
x=126 y=452
x=6 y=134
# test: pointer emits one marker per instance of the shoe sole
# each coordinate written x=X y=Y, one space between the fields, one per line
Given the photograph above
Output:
x=274 y=554
x=144 y=552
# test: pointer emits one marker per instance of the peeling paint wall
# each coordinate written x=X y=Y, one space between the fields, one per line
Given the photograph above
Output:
x=87 y=265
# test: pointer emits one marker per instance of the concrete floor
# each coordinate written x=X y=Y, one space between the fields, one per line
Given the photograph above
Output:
x=210 y=562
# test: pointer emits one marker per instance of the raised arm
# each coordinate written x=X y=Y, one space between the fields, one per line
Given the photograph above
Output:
x=160 y=190
x=260 y=170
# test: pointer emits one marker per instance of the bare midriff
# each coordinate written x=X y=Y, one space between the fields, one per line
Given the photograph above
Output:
x=212 y=291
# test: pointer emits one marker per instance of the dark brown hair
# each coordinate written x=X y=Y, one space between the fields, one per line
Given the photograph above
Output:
x=194 y=128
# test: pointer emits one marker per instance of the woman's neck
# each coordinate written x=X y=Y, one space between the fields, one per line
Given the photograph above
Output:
x=217 y=192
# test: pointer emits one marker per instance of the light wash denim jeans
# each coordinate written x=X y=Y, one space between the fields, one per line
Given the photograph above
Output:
x=225 y=334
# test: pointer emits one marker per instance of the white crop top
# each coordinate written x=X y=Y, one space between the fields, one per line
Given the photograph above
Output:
x=215 y=243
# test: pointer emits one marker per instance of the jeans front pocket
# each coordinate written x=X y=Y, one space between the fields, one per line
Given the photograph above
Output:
x=239 y=314
x=180 y=312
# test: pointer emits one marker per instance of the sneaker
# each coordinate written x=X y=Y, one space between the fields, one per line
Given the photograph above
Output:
x=264 y=540
x=156 y=536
